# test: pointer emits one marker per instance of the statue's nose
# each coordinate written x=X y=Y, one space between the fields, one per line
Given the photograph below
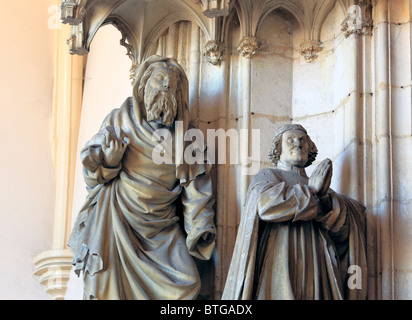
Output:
x=166 y=83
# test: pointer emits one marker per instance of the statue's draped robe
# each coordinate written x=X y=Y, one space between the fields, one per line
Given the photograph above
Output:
x=285 y=251
x=127 y=239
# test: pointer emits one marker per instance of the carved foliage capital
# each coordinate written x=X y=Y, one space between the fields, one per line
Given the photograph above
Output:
x=358 y=21
x=214 y=51
x=310 y=49
x=249 y=46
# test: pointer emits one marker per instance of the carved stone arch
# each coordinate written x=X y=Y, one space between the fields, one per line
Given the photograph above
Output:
x=319 y=17
x=153 y=36
x=128 y=39
x=290 y=7
x=344 y=5
x=243 y=10
x=196 y=17
x=94 y=24
x=249 y=13
x=225 y=29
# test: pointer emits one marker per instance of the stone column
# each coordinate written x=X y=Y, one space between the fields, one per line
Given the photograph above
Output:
x=401 y=122
x=247 y=49
x=245 y=109
x=357 y=29
x=368 y=179
x=382 y=143
x=171 y=41
x=393 y=147
x=222 y=185
x=194 y=72
x=53 y=266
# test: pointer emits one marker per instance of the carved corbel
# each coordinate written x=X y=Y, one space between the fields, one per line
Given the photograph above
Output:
x=310 y=49
x=53 y=268
x=73 y=13
x=218 y=11
x=249 y=46
x=76 y=41
x=67 y=11
x=214 y=51
x=359 y=20
x=216 y=8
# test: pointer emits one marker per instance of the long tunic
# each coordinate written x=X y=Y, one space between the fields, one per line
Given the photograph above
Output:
x=131 y=240
x=285 y=250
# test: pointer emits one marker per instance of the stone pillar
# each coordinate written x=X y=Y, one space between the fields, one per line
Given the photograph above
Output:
x=359 y=126
x=393 y=147
x=401 y=122
x=357 y=30
x=194 y=73
x=53 y=266
x=247 y=49
x=382 y=143
x=244 y=112
x=222 y=185
x=171 y=41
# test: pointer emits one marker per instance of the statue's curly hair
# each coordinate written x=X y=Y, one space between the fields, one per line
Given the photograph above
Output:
x=276 y=148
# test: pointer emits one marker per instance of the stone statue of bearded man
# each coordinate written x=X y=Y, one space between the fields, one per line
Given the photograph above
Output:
x=297 y=239
x=143 y=223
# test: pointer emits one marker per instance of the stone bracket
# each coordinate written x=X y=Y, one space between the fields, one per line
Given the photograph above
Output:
x=216 y=8
x=358 y=21
x=310 y=49
x=54 y=267
x=249 y=46
x=214 y=51
x=73 y=13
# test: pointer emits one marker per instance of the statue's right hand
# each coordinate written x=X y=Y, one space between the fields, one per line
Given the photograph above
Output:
x=113 y=150
x=320 y=179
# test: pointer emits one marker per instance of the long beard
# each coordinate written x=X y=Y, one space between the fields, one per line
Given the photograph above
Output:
x=160 y=105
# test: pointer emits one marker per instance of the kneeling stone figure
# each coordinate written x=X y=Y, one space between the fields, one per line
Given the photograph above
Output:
x=297 y=237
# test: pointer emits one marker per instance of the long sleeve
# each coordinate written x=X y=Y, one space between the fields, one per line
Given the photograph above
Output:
x=346 y=224
x=279 y=202
x=197 y=199
x=96 y=173
x=91 y=155
x=335 y=221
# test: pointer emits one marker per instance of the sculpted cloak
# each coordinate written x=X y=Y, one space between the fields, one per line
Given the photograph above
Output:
x=284 y=251
x=142 y=222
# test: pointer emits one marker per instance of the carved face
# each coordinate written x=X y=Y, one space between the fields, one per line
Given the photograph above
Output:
x=215 y=58
x=160 y=96
x=162 y=79
x=295 y=148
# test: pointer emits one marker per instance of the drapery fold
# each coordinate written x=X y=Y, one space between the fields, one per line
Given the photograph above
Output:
x=127 y=239
x=285 y=251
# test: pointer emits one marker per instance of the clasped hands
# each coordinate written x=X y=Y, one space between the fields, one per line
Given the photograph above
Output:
x=320 y=181
x=113 y=147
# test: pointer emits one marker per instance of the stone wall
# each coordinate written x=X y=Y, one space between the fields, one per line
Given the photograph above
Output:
x=347 y=83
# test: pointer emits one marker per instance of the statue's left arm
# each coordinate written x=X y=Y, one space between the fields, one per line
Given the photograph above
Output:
x=197 y=199
x=334 y=216
x=345 y=223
